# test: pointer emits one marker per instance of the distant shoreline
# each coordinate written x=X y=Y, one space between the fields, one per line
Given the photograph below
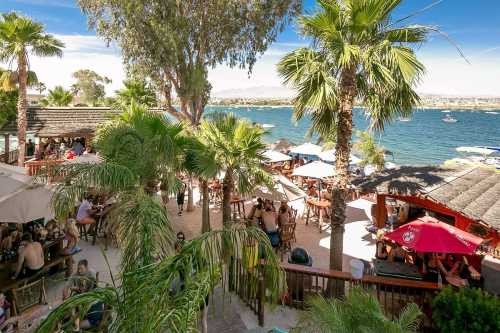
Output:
x=470 y=107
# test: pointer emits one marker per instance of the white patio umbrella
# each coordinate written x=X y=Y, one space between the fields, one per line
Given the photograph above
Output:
x=316 y=169
x=477 y=150
x=283 y=190
x=306 y=149
x=329 y=156
x=275 y=156
x=22 y=200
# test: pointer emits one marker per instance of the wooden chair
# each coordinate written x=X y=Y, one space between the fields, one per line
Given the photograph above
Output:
x=287 y=235
x=28 y=296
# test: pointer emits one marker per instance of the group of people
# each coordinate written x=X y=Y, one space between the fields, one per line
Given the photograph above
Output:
x=434 y=267
x=265 y=215
x=57 y=148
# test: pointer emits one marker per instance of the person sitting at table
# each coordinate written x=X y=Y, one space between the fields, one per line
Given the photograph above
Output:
x=270 y=204
x=83 y=216
x=397 y=254
x=8 y=241
x=381 y=251
x=430 y=267
x=84 y=280
x=30 y=255
x=451 y=269
x=284 y=214
x=256 y=211
x=270 y=227
x=311 y=191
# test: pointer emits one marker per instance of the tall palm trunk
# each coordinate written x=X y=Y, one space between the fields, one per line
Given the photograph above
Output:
x=205 y=208
x=21 y=109
x=190 y=203
x=227 y=189
x=343 y=151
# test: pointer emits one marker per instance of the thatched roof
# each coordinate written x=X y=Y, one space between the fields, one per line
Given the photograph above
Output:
x=474 y=193
x=63 y=121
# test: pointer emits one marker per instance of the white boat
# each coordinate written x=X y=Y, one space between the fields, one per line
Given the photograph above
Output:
x=491 y=112
x=404 y=119
x=449 y=119
x=446 y=111
x=268 y=126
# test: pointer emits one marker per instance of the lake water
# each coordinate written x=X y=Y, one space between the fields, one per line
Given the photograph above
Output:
x=423 y=140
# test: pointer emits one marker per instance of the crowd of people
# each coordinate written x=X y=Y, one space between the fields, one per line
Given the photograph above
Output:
x=265 y=215
x=57 y=148
x=434 y=267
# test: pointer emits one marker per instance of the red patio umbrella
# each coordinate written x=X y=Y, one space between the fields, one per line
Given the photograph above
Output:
x=428 y=234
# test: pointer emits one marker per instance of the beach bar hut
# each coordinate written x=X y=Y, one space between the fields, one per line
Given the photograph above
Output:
x=467 y=199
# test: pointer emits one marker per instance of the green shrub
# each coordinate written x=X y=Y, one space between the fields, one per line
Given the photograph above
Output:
x=466 y=310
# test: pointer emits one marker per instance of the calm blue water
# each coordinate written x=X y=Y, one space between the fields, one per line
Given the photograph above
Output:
x=424 y=140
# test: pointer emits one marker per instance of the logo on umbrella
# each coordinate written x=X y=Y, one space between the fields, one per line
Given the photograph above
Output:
x=408 y=236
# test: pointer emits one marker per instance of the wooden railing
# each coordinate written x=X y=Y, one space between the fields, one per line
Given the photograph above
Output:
x=43 y=167
x=9 y=157
x=303 y=282
x=393 y=294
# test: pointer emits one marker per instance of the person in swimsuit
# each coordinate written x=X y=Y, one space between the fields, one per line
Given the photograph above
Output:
x=71 y=236
x=180 y=199
x=30 y=256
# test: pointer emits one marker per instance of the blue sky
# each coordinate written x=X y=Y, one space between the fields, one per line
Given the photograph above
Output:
x=474 y=25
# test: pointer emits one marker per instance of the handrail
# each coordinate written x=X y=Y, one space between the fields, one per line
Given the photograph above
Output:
x=365 y=279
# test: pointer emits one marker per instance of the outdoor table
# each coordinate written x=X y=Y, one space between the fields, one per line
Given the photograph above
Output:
x=318 y=207
x=396 y=270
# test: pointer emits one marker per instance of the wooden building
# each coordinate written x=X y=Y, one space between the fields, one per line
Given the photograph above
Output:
x=59 y=122
x=468 y=199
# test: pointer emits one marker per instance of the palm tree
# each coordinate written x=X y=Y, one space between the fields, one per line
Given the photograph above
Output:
x=360 y=54
x=156 y=291
x=237 y=146
x=360 y=312
x=138 y=91
x=58 y=97
x=20 y=36
x=370 y=152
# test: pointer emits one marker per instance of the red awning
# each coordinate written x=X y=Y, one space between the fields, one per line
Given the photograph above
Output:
x=428 y=234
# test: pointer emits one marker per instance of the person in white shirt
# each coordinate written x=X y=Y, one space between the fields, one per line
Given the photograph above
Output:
x=83 y=216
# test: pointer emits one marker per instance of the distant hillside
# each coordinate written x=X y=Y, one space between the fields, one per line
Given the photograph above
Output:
x=270 y=92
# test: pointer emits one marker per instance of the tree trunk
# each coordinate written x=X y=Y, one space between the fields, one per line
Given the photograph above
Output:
x=21 y=109
x=227 y=190
x=205 y=209
x=190 y=203
x=339 y=191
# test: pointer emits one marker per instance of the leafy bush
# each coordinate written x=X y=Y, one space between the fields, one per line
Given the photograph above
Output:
x=466 y=310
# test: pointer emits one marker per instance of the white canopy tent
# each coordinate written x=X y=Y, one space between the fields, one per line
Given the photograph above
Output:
x=316 y=169
x=283 y=190
x=329 y=156
x=21 y=199
x=275 y=156
x=306 y=149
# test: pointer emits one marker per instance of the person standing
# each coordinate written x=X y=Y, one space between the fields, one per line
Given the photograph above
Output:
x=181 y=193
x=30 y=148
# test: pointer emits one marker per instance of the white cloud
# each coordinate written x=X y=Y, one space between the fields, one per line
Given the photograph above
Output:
x=80 y=52
x=447 y=75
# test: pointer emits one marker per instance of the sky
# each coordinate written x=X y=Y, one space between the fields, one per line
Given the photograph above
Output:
x=473 y=25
